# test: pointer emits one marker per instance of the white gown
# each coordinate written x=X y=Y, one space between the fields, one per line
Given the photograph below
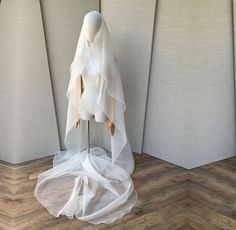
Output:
x=94 y=187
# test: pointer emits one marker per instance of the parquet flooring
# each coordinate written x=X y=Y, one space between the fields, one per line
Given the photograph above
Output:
x=169 y=197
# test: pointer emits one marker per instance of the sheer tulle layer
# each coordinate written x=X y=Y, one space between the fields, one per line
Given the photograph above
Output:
x=97 y=187
x=88 y=187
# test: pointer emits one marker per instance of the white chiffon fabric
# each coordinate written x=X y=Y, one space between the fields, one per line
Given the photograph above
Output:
x=94 y=187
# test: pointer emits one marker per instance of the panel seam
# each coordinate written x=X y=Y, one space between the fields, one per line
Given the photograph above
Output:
x=233 y=44
x=50 y=74
x=149 y=73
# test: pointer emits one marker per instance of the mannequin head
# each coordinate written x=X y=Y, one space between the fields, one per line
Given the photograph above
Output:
x=92 y=23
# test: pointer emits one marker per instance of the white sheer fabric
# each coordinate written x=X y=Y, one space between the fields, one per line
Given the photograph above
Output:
x=94 y=187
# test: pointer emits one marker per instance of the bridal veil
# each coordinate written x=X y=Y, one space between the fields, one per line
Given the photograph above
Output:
x=94 y=187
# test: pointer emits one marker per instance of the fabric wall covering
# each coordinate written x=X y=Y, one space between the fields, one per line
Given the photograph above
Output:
x=178 y=72
x=190 y=117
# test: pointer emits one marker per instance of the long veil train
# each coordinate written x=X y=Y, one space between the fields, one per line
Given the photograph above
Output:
x=94 y=187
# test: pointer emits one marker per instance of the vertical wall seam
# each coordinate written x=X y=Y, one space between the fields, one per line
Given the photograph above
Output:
x=149 y=72
x=100 y=6
x=50 y=74
x=233 y=44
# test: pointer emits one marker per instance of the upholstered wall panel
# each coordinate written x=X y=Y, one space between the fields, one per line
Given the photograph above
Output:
x=62 y=23
x=131 y=26
x=27 y=125
x=234 y=49
x=184 y=113
x=190 y=114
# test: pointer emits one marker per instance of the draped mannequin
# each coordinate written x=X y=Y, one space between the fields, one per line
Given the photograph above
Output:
x=95 y=185
x=90 y=78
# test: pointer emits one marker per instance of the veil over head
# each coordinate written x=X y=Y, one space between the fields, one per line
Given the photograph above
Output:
x=94 y=187
x=110 y=99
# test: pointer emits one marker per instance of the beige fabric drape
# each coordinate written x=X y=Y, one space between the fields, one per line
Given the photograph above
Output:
x=190 y=114
x=27 y=117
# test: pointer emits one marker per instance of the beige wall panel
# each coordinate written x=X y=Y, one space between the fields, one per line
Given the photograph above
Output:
x=62 y=22
x=190 y=114
x=131 y=26
x=27 y=121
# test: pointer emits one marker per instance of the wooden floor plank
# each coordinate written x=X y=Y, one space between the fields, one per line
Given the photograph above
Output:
x=169 y=197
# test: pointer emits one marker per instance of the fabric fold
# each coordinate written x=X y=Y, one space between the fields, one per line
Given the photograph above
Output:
x=96 y=186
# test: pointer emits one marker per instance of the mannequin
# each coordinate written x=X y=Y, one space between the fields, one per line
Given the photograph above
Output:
x=89 y=84
x=92 y=184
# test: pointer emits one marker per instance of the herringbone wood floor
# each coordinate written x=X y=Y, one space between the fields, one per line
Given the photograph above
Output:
x=169 y=197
